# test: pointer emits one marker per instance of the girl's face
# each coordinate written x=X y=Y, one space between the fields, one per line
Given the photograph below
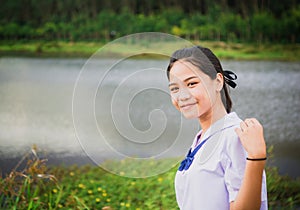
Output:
x=193 y=93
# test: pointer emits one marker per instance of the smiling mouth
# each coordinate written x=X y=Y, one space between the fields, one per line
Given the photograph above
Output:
x=187 y=106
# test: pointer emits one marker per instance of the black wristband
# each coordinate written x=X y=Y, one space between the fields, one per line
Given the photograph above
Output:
x=256 y=159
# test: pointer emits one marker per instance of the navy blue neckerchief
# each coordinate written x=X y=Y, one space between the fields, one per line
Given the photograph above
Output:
x=186 y=163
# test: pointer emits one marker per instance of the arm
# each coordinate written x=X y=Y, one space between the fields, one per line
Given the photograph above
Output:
x=252 y=139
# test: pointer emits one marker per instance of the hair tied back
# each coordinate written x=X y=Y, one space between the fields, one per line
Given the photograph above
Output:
x=229 y=76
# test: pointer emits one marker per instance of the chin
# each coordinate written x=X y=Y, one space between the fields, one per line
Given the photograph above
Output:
x=190 y=115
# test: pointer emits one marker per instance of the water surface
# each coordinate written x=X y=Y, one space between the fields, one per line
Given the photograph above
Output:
x=131 y=101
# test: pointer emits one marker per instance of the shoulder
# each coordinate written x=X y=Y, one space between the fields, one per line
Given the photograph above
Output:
x=232 y=147
x=232 y=121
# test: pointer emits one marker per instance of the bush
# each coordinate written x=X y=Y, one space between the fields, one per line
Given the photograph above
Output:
x=87 y=187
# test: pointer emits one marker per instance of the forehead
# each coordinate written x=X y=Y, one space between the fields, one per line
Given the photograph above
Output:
x=182 y=70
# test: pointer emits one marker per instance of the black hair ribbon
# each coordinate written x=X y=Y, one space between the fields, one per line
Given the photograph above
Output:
x=229 y=76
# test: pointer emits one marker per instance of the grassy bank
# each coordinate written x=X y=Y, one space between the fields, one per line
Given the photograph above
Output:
x=87 y=187
x=223 y=50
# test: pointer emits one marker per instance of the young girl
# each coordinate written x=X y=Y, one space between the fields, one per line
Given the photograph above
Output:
x=224 y=168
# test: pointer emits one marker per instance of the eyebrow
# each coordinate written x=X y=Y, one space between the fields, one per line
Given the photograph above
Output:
x=187 y=79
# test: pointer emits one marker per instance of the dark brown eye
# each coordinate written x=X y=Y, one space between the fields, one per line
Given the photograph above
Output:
x=192 y=84
x=174 y=89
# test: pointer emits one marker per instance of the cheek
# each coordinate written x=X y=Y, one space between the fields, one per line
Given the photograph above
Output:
x=200 y=94
x=203 y=97
x=212 y=95
x=174 y=102
x=203 y=94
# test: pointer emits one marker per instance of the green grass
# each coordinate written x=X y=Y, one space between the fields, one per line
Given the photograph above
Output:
x=223 y=50
x=238 y=51
x=49 y=49
x=90 y=187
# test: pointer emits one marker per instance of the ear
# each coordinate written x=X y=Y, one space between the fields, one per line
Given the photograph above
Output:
x=219 y=82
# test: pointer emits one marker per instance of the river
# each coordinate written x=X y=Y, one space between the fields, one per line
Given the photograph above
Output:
x=73 y=110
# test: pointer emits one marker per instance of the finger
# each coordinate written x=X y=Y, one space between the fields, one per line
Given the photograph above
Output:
x=255 y=121
x=243 y=126
x=249 y=122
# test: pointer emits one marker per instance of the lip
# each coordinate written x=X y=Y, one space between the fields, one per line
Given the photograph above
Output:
x=187 y=106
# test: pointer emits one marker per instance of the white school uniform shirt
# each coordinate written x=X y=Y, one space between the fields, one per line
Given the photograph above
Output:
x=215 y=176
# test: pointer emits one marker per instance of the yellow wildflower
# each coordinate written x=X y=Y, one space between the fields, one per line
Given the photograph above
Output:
x=99 y=189
x=72 y=173
x=81 y=186
x=97 y=200
x=54 y=190
x=90 y=192
x=104 y=194
x=127 y=205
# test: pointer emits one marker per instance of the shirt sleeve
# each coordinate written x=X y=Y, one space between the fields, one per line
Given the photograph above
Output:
x=233 y=163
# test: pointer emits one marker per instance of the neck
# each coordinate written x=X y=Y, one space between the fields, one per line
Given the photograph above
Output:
x=216 y=112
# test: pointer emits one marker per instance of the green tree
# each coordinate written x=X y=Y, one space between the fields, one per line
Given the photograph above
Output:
x=209 y=32
x=291 y=25
x=173 y=16
x=106 y=21
x=50 y=30
x=233 y=27
x=263 y=26
x=11 y=30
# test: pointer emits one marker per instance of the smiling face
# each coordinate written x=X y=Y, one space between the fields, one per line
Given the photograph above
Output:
x=193 y=92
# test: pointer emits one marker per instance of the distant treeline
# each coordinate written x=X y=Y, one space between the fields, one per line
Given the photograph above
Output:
x=225 y=20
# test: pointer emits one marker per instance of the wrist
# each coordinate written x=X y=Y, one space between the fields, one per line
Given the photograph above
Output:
x=257 y=165
x=257 y=159
x=257 y=155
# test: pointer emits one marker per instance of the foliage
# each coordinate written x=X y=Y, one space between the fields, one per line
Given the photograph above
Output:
x=282 y=190
x=23 y=189
x=87 y=187
x=103 y=21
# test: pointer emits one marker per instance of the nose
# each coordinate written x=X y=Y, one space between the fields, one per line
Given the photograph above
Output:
x=184 y=94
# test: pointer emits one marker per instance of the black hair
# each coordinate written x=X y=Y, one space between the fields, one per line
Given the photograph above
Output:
x=207 y=62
